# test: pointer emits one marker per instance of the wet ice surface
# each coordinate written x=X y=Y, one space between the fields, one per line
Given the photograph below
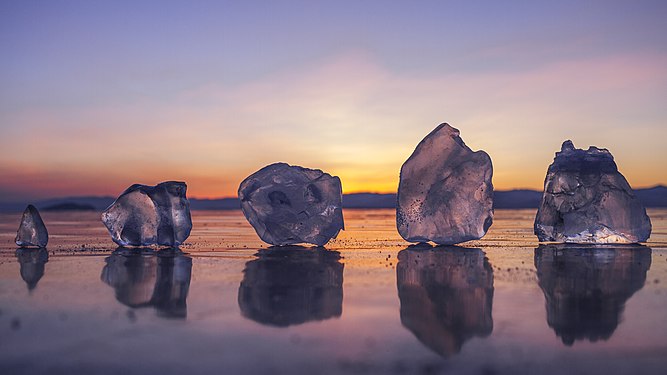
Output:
x=292 y=285
x=446 y=296
x=370 y=305
x=586 y=287
x=142 y=278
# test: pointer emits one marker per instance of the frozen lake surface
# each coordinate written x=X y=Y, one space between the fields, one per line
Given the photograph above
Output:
x=369 y=303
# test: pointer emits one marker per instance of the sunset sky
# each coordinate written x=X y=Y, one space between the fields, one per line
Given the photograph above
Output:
x=97 y=95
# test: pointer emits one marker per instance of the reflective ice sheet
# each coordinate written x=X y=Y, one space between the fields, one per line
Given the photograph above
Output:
x=368 y=303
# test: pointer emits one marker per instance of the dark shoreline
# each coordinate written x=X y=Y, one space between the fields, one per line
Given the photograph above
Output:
x=503 y=199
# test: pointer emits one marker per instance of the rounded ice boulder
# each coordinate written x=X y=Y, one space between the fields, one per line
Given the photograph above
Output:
x=290 y=204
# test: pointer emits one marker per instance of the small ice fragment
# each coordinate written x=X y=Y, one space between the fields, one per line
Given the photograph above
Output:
x=290 y=204
x=32 y=231
x=150 y=215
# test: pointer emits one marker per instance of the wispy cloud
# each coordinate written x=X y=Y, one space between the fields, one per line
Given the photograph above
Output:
x=349 y=115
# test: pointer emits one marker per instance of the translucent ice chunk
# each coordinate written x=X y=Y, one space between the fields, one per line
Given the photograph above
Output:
x=150 y=215
x=445 y=193
x=290 y=204
x=586 y=200
x=32 y=231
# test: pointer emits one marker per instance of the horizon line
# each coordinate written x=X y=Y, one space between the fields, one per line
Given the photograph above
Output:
x=235 y=197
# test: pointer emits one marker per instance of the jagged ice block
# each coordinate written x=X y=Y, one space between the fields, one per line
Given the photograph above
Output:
x=150 y=215
x=32 y=231
x=445 y=194
x=586 y=200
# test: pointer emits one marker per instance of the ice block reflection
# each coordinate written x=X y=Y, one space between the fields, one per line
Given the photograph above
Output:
x=142 y=278
x=586 y=287
x=292 y=285
x=446 y=295
x=32 y=262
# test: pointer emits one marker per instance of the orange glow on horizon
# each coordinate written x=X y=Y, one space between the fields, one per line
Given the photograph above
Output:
x=349 y=116
x=237 y=87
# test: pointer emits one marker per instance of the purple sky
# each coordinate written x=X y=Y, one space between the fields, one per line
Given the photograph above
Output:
x=95 y=96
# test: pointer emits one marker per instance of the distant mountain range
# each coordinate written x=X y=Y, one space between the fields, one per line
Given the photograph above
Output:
x=651 y=197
